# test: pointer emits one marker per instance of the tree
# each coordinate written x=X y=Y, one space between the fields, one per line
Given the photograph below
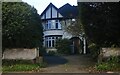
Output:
x=21 y=26
x=101 y=22
x=73 y=27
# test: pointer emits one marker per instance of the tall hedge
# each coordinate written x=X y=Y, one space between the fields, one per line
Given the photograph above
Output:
x=21 y=26
x=101 y=23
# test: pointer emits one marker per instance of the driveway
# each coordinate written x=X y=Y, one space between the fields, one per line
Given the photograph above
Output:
x=68 y=64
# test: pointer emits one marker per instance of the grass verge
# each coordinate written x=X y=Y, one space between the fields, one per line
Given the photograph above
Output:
x=20 y=65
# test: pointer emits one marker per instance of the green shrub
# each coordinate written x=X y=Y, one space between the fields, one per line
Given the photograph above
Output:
x=111 y=64
x=113 y=59
x=51 y=53
x=94 y=50
x=63 y=46
x=42 y=51
x=108 y=66
x=103 y=67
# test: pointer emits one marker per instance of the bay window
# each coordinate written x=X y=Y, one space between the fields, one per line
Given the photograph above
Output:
x=51 y=40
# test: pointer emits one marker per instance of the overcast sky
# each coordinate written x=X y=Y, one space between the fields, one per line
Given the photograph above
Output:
x=40 y=5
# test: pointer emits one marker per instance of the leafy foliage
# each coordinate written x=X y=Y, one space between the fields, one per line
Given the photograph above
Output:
x=94 y=50
x=51 y=53
x=21 y=26
x=101 y=22
x=42 y=51
x=111 y=64
x=63 y=46
x=73 y=27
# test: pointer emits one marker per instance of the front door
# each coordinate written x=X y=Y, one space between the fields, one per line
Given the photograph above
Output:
x=75 y=46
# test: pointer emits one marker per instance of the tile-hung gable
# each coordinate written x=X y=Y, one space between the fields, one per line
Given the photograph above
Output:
x=52 y=26
x=68 y=11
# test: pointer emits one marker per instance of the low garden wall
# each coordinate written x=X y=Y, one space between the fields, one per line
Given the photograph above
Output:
x=108 y=52
x=21 y=54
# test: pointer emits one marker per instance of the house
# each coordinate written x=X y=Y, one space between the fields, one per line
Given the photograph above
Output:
x=52 y=21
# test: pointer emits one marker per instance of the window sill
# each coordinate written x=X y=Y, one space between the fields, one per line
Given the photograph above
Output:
x=50 y=47
x=52 y=29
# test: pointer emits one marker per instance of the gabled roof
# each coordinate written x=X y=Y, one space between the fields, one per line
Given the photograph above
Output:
x=68 y=11
x=50 y=5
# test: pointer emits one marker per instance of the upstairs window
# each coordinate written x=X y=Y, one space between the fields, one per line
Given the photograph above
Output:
x=56 y=24
x=52 y=24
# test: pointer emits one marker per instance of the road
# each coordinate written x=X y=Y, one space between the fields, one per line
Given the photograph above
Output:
x=57 y=74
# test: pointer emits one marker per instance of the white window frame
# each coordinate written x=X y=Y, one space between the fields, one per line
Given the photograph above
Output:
x=51 y=24
x=49 y=41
